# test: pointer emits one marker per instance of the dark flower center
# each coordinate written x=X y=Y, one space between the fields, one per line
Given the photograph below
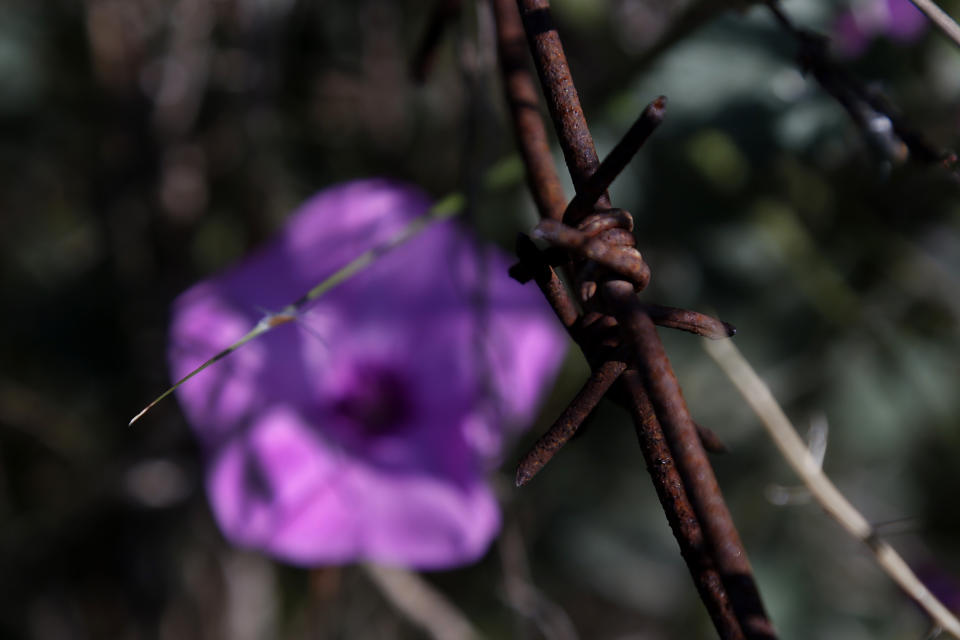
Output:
x=379 y=402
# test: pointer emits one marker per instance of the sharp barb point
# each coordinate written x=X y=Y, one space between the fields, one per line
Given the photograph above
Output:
x=530 y=465
x=523 y=476
x=658 y=108
x=710 y=441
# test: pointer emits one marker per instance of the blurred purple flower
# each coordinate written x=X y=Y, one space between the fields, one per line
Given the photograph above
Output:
x=366 y=432
x=856 y=28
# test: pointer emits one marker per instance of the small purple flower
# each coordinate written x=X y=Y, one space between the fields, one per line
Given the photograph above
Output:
x=856 y=28
x=365 y=430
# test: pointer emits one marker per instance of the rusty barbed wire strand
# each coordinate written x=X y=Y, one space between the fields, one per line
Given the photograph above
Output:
x=675 y=318
x=558 y=89
x=523 y=100
x=579 y=409
x=597 y=328
x=531 y=135
x=545 y=187
x=582 y=161
x=565 y=426
x=533 y=262
x=695 y=469
x=681 y=516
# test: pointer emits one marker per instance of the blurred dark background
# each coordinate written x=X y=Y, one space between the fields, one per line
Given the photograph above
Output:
x=148 y=143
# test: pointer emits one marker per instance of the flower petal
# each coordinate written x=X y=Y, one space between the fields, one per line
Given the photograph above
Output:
x=292 y=474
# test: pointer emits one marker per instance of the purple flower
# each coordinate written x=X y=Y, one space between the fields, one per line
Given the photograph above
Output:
x=856 y=28
x=363 y=431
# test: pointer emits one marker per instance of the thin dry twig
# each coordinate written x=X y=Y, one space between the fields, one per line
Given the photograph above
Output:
x=799 y=457
x=423 y=605
x=939 y=17
x=447 y=207
x=861 y=103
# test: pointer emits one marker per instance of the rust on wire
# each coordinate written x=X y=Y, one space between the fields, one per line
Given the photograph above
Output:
x=612 y=248
x=596 y=328
x=603 y=219
x=695 y=469
x=569 y=421
x=723 y=591
x=576 y=143
x=681 y=516
x=710 y=441
x=523 y=100
x=691 y=321
x=532 y=261
x=611 y=167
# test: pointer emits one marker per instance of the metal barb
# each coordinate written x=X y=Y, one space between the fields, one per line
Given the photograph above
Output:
x=532 y=260
x=710 y=441
x=691 y=321
x=616 y=161
x=569 y=421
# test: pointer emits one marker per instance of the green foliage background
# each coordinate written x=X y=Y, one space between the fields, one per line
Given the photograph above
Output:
x=146 y=144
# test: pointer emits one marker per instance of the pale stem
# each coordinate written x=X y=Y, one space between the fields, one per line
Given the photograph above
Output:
x=792 y=447
x=939 y=17
x=423 y=605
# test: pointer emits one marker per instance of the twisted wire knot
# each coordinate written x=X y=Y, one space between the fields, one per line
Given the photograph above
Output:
x=604 y=241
